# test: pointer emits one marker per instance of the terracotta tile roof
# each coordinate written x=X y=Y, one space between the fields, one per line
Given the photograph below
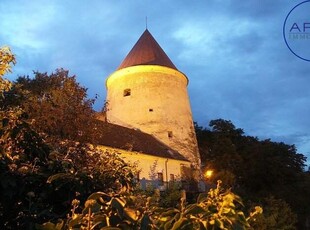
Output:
x=120 y=137
x=147 y=52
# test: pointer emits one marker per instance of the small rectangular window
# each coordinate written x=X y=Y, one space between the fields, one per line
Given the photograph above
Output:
x=150 y=110
x=172 y=177
x=160 y=179
x=127 y=92
x=170 y=134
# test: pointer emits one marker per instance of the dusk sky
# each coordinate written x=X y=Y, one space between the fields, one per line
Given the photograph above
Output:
x=233 y=52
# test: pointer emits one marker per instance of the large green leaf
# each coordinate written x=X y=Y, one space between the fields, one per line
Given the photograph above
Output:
x=97 y=195
x=75 y=222
x=46 y=226
x=195 y=209
x=202 y=197
x=219 y=223
x=99 y=220
x=110 y=228
x=92 y=205
x=182 y=223
x=170 y=212
x=168 y=225
x=58 y=176
x=59 y=225
x=131 y=214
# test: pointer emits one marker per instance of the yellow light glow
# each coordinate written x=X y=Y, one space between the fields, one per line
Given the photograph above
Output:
x=208 y=173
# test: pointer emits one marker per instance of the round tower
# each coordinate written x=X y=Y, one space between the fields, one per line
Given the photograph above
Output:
x=148 y=93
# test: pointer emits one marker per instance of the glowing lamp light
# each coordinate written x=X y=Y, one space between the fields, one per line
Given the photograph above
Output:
x=208 y=174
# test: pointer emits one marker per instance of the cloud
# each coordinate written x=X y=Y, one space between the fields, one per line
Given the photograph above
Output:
x=233 y=54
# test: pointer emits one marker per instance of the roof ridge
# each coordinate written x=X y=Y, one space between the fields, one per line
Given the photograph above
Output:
x=147 y=51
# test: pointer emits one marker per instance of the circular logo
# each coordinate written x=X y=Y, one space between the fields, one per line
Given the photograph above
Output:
x=296 y=30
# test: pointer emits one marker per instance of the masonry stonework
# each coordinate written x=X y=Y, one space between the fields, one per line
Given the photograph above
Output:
x=154 y=99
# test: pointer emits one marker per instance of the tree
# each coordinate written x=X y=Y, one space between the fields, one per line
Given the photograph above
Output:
x=6 y=61
x=56 y=104
x=226 y=128
x=277 y=215
x=41 y=187
x=218 y=150
x=255 y=168
x=41 y=169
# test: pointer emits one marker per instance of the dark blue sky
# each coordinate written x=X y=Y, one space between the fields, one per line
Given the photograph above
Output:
x=233 y=53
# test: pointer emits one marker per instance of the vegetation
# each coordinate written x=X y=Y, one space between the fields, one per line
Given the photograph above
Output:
x=257 y=170
x=215 y=210
x=48 y=168
x=6 y=61
x=42 y=165
x=56 y=103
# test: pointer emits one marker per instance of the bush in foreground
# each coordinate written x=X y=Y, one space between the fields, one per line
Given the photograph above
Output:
x=218 y=209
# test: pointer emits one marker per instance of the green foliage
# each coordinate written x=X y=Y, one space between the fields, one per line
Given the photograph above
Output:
x=170 y=197
x=19 y=142
x=41 y=169
x=84 y=169
x=56 y=104
x=216 y=210
x=226 y=128
x=277 y=215
x=41 y=186
x=255 y=168
x=45 y=123
x=40 y=178
x=6 y=61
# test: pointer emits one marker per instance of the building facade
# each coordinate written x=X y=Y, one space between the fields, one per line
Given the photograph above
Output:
x=158 y=165
x=147 y=92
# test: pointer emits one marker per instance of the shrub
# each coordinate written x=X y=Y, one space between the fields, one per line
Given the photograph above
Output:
x=218 y=209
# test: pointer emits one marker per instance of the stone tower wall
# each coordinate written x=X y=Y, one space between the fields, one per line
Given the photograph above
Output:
x=154 y=99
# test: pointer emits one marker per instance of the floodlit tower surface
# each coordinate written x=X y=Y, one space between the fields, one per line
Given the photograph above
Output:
x=147 y=92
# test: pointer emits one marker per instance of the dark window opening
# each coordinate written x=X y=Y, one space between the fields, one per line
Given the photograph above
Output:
x=127 y=92
x=184 y=170
x=150 y=110
x=172 y=177
x=170 y=134
x=138 y=176
x=160 y=179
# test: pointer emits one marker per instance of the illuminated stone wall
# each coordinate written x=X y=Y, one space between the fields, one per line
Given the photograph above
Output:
x=154 y=99
x=150 y=165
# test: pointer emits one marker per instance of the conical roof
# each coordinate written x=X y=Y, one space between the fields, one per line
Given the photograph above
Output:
x=147 y=52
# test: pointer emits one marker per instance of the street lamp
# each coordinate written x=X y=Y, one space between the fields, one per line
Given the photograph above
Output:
x=208 y=174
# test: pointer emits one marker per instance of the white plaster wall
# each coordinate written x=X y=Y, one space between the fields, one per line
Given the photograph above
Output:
x=162 y=90
x=149 y=164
